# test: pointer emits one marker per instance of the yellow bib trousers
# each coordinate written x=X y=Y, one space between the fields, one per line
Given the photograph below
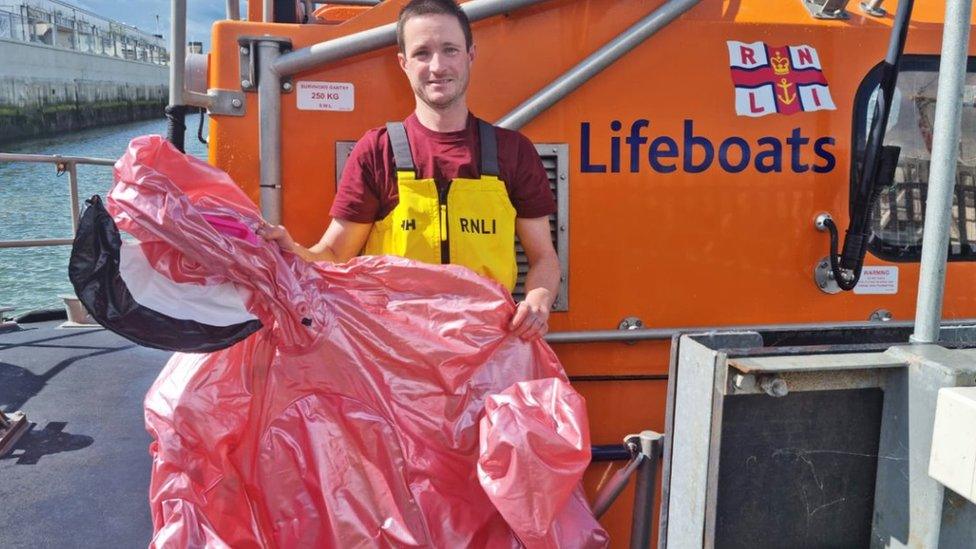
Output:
x=470 y=223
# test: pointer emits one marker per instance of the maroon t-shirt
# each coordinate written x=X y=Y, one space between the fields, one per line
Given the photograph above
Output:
x=368 y=190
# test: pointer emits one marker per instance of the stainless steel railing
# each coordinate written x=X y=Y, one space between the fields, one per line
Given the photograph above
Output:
x=64 y=164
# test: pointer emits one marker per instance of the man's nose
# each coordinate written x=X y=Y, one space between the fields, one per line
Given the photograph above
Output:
x=436 y=63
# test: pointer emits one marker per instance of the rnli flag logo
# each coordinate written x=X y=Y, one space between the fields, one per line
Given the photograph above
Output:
x=777 y=79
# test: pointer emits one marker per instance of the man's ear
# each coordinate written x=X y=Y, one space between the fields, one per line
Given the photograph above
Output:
x=471 y=52
x=403 y=61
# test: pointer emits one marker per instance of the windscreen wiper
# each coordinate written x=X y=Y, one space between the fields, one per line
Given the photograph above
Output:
x=877 y=165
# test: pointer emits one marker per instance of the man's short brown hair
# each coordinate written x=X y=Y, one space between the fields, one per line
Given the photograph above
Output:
x=417 y=8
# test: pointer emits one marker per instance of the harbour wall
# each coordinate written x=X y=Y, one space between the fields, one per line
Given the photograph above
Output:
x=46 y=90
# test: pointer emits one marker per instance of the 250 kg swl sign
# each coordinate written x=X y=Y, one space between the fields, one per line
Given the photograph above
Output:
x=326 y=96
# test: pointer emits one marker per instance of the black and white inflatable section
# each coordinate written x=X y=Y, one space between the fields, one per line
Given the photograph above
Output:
x=125 y=294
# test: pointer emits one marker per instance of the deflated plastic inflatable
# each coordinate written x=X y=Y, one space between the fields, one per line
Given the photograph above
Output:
x=381 y=403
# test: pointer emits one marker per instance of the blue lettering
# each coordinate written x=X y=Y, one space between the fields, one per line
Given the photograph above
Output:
x=820 y=148
x=796 y=142
x=657 y=151
x=691 y=140
x=635 y=141
x=744 y=154
x=697 y=153
x=770 y=160
x=615 y=148
x=585 y=165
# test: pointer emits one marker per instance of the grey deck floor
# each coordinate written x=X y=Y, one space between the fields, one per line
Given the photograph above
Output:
x=79 y=477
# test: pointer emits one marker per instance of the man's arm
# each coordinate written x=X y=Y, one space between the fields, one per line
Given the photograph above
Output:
x=531 y=318
x=342 y=241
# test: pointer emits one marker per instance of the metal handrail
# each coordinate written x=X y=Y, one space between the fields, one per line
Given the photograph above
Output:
x=55 y=159
x=659 y=334
x=596 y=62
x=68 y=164
x=322 y=53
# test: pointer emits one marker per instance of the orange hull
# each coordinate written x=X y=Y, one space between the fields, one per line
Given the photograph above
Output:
x=728 y=245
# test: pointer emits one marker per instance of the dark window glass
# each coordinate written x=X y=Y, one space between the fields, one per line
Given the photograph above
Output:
x=898 y=215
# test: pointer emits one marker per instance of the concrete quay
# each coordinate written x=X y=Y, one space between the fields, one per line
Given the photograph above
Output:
x=45 y=90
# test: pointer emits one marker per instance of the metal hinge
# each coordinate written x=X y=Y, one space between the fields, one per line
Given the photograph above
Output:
x=827 y=9
x=248 y=50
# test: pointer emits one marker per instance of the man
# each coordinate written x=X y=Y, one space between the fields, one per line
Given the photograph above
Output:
x=443 y=186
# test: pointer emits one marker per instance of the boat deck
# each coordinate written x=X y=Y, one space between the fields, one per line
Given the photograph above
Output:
x=79 y=476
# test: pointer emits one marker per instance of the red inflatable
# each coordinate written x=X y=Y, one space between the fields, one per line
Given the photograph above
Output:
x=380 y=403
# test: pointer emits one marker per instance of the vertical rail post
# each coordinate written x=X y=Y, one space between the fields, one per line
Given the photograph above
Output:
x=269 y=114
x=175 y=111
x=73 y=189
x=942 y=182
x=642 y=522
x=177 y=61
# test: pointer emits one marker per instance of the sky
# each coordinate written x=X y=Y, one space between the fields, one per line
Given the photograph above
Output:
x=142 y=13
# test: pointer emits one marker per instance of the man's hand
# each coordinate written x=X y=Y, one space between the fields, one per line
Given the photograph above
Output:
x=531 y=319
x=278 y=234
x=342 y=241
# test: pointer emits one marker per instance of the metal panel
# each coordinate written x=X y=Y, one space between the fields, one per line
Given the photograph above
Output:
x=662 y=534
x=792 y=474
x=689 y=443
x=719 y=382
x=851 y=361
x=828 y=464
x=909 y=504
x=817 y=380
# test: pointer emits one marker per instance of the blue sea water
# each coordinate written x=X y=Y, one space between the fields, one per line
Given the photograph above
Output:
x=34 y=204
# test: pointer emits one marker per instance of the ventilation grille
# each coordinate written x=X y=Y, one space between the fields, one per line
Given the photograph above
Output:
x=555 y=160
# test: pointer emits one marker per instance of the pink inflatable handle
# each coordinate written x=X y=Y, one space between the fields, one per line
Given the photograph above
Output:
x=232 y=227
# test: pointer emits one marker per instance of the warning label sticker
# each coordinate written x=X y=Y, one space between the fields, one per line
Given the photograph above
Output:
x=878 y=280
x=326 y=96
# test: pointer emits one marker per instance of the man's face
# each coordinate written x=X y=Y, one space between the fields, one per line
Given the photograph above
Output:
x=435 y=59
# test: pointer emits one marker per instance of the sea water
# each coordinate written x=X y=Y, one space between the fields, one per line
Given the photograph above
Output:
x=35 y=204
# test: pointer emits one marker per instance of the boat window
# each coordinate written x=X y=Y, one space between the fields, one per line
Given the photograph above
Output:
x=898 y=215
